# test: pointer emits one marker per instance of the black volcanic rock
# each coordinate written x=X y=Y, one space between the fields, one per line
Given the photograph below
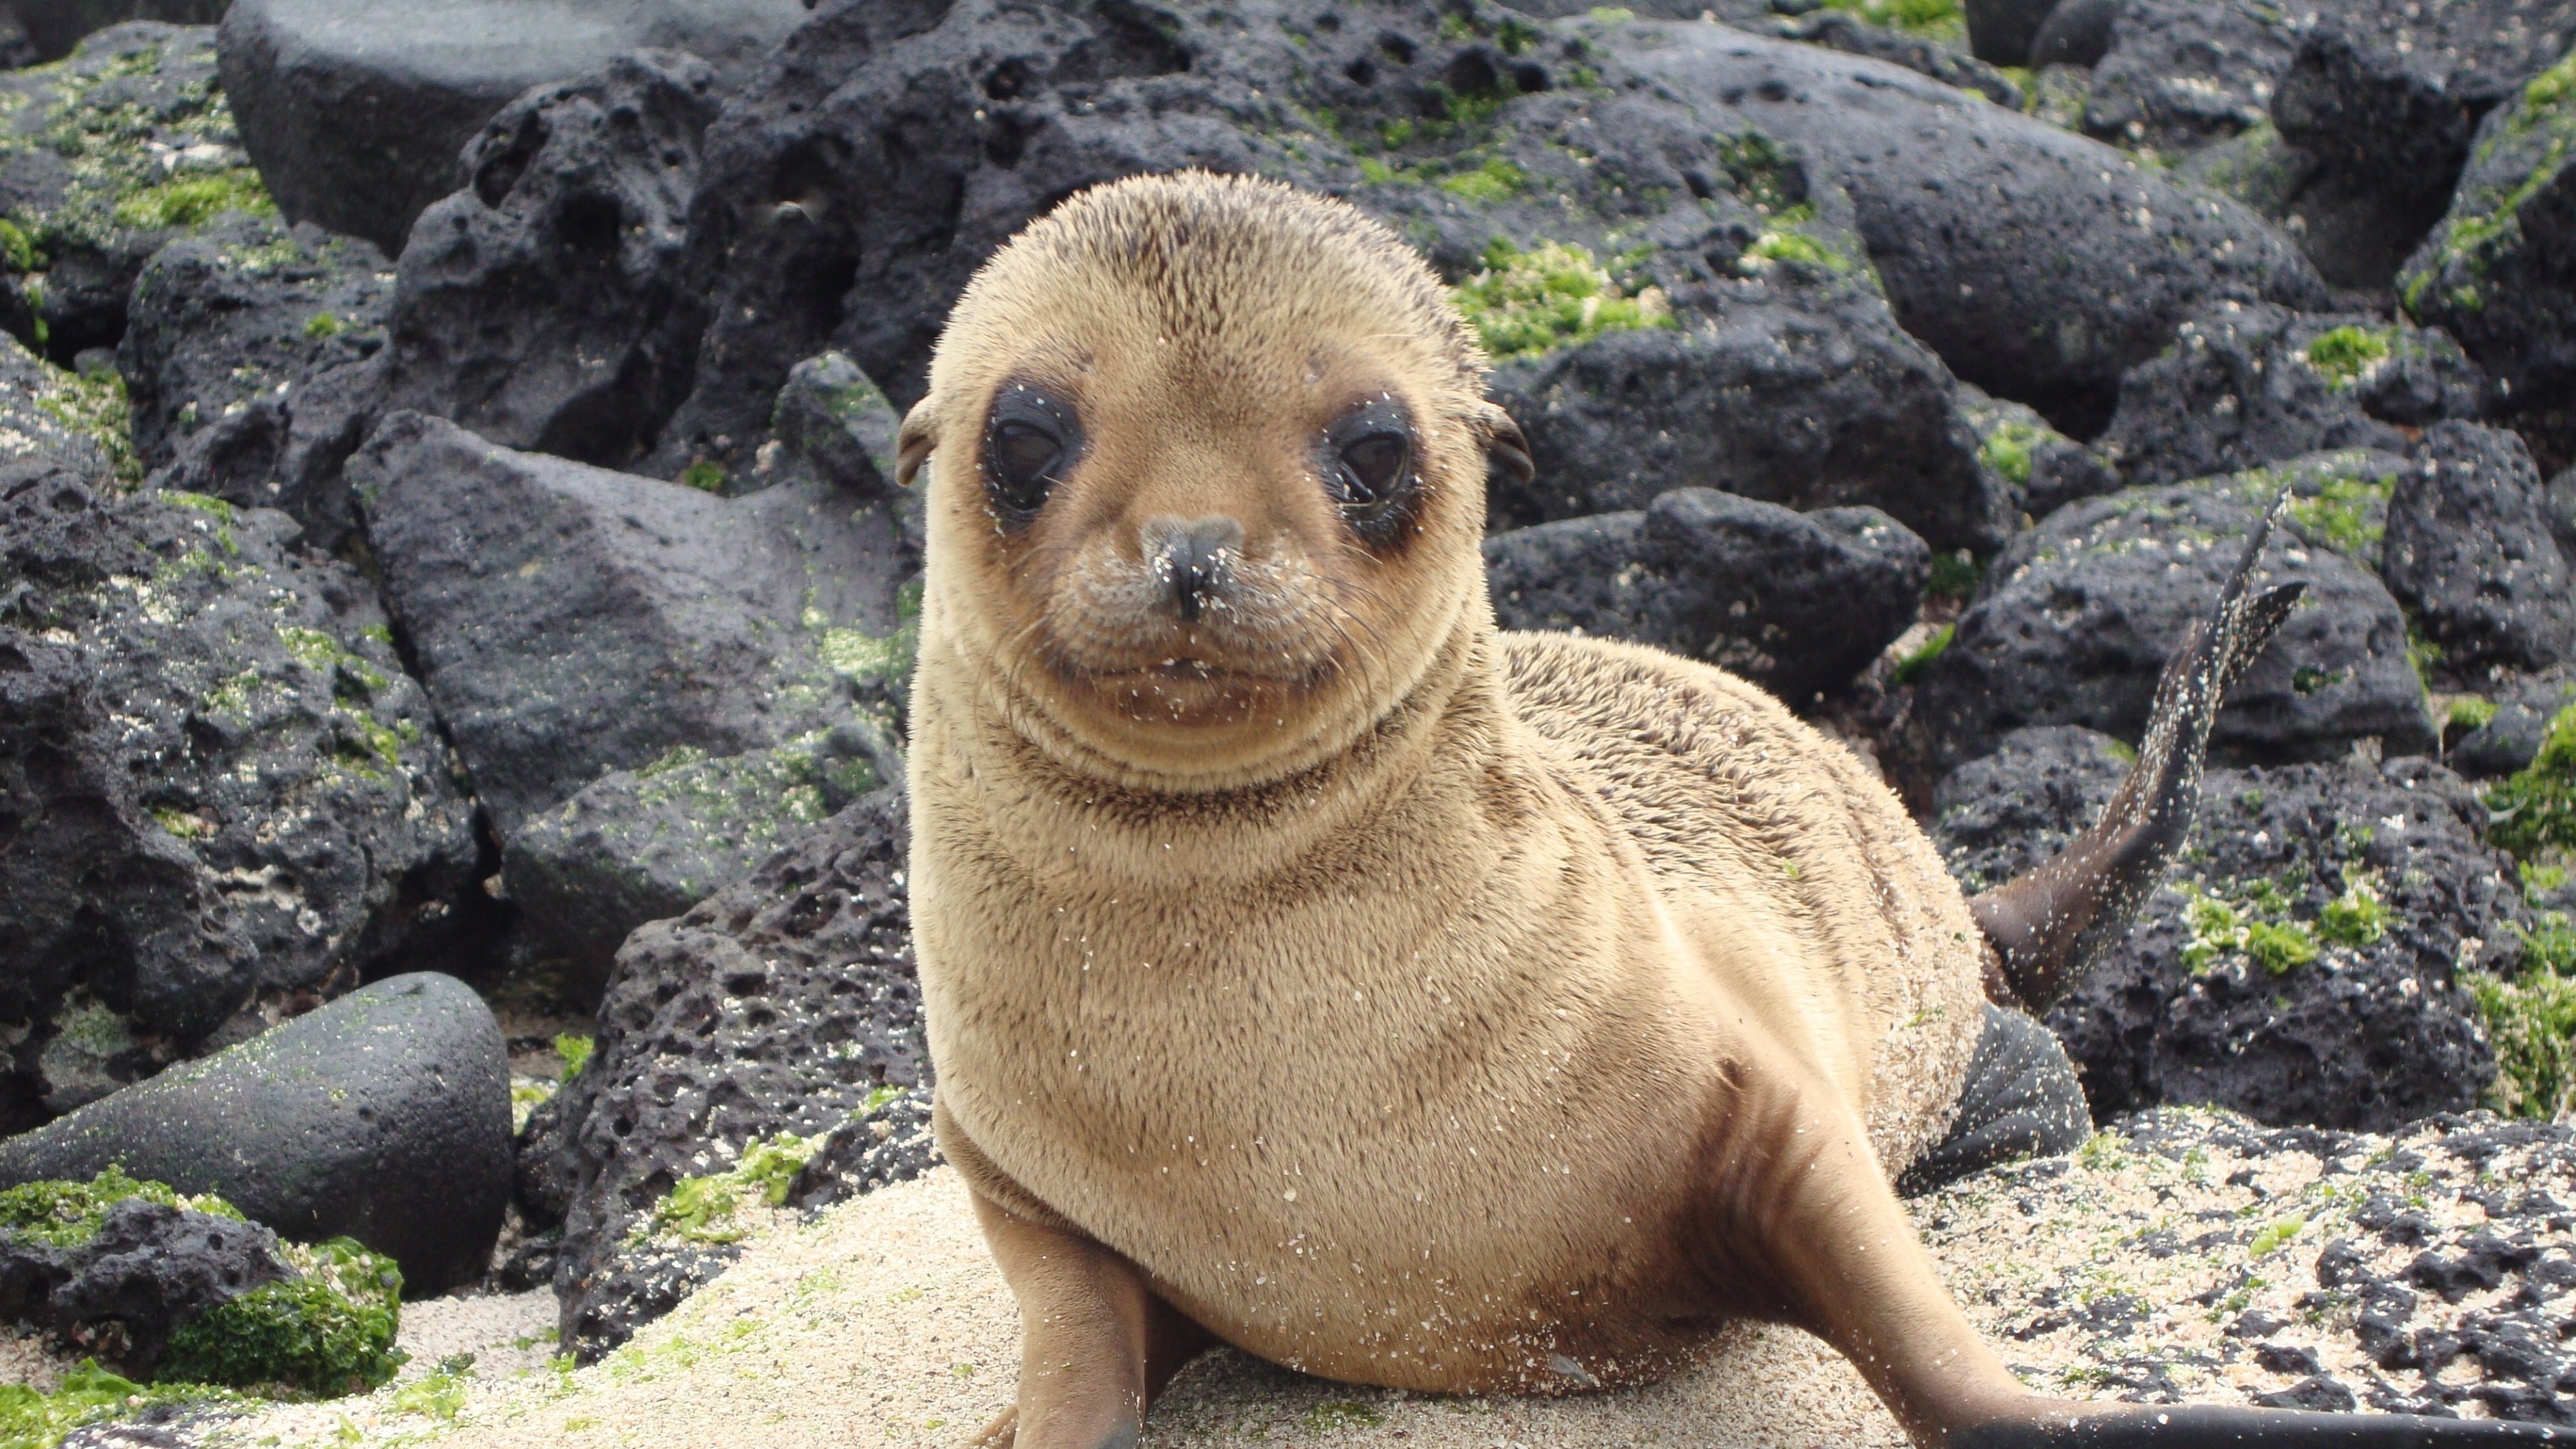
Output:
x=786 y=1003
x=356 y=114
x=219 y=792
x=1795 y=602
x=383 y=1116
x=2077 y=617
x=2469 y=552
x=545 y=304
x=2038 y=264
x=703 y=624
x=2299 y=967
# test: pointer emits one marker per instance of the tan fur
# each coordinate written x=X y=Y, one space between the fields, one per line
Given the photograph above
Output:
x=1401 y=1001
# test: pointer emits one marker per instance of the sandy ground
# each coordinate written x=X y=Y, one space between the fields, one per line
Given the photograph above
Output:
x=884 y=1323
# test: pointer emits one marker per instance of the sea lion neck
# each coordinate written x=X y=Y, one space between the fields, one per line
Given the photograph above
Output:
x=1064 y=809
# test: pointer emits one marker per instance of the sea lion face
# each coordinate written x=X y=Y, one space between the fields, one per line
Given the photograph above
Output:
x=1207 y=478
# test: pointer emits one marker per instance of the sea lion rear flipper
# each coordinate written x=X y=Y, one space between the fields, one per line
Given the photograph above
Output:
x=2212 y=1426
x=2051 y=924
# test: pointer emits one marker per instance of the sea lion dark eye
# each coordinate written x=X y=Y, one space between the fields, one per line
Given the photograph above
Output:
x=1373 y=467
x=1030 y=442
x=1367 y=465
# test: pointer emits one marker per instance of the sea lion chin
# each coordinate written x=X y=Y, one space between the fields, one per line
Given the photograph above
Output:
x=1312 y=968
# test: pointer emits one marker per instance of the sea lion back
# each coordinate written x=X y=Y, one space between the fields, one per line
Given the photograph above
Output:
x=1741 y=809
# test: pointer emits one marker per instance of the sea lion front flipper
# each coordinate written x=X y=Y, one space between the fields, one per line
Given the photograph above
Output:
x=1097 y=1344
x=2051 y=924
x=2213 y=1426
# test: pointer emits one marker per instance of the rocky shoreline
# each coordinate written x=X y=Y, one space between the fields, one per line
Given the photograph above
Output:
x=448 y=536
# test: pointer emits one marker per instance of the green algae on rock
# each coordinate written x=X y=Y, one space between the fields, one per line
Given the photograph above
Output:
x=61 y=1213
x=2493 y=274
x=708 y=1209
x=1527 y=303
x=2531 y=1020
x=2535 y=810
x=32 y=1418
x=328 y=1331
x=103 y=158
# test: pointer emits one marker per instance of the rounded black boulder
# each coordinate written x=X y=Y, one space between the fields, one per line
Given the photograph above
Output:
x=2000 y=31
x=384 y=1116
x=1795 y=602
x=2077 y=617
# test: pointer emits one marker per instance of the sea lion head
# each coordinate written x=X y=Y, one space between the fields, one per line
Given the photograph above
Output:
x=1205 y=462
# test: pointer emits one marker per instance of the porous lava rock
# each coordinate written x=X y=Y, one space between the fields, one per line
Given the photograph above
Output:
x=383 y=1116
x=1799 y=391
x=2040 y=265
x=49 y=426
x=545 y=305
x=645 y=845
x=784 y=1004
x=885 y=1144
x=356 y=115
x=2468 y=551
x=2386 y=136
x=2511 y=737
x=852 y=189
x=1795 y=602
x=239 y=346
x=2178 y=74
x=2077 y=617
x=2243 y=386
x=150 y=1267
x=2497 y=272
x=223 y=796
x=2299 y=966
x=104 y=158
x=569 y=621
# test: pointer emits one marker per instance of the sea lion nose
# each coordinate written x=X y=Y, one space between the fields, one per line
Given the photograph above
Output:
x=1194 y=558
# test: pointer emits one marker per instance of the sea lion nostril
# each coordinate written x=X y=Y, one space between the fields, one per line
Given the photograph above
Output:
x=1194 y=558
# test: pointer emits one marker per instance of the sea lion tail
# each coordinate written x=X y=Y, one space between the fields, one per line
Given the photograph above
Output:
x=2213 y=1426
x=2050 y=924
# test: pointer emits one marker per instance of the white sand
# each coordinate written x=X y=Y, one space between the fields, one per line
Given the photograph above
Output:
x=884 y=1323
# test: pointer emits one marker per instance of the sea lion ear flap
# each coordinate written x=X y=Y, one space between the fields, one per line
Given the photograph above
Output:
x=1507 y=452
x=920 y=432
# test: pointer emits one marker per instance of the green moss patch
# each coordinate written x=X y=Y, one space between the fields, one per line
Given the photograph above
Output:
x=2485 y=220
x=328 y=1332
x=2536 y=809
x=2347 y=354
x=1911 y=667
x=2007 y=450
x=574 y=1052
x=94 y=405
x=1528 y=303
x=66 y=1214
x=1496 y=180
x=32 y=1419
x=708 y=1209
x=1785 y=239
x=2531 y=1024
x=2250 y=920
x=1930 y=19
x=191 y=203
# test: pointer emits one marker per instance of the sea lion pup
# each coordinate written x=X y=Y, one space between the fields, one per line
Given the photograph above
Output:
x=1311 y=967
